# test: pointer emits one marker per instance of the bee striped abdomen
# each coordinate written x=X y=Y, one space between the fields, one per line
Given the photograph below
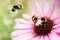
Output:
x=20 y=6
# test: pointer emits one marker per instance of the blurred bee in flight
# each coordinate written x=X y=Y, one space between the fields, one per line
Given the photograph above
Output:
x=16 y=7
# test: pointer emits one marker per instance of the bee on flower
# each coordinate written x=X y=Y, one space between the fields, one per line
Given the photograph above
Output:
x=41 y=24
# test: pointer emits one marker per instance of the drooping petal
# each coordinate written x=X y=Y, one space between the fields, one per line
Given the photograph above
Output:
x=41 y=38
x=57 y=21
x=46 y=37
x=53 y=36
x=57 y=34
x=38 y=8
x=20 y=32
x=36 y=38
x=51 y=11
x=23 y=37
x=56 y=26
x=23 y=26
x=56 y=30
x=21 y=21
x=27 y=17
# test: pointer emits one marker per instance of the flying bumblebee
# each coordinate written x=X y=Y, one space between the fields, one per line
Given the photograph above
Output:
x=16 y=7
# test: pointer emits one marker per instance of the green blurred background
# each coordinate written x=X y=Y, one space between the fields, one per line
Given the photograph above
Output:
x=7 y=19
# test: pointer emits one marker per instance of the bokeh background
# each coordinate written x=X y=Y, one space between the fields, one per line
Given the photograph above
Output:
x=7 y=18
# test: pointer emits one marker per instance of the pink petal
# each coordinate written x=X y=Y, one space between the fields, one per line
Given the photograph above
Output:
x=51 y=11
x=23 y=37
x=21 y=21
x=20 y=32
x=23 y=26
x=46 y=37
x=41 y=38
x=57 y=34
x=46 y=7
x=56 y=30
x=33 y=12
x=56 y=26
x=53 y=36
x=57 y=21
x=27 y=17
x=57 y=17
x=38 y=8
x=36 y=38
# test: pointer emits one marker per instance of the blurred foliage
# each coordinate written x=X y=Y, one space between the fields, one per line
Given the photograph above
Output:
x=7 y=19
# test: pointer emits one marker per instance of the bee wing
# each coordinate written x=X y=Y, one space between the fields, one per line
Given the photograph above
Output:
x=10 y=7
x=16 y=11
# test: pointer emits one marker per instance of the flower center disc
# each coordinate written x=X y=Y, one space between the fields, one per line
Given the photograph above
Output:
x=43 y=29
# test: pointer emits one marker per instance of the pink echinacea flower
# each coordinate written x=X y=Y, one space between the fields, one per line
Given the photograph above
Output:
x=42 y=26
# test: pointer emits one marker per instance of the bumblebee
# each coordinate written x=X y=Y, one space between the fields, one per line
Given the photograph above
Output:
x=16 y=7
x=34 y=18
x=38 y=21
x=44 y=20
